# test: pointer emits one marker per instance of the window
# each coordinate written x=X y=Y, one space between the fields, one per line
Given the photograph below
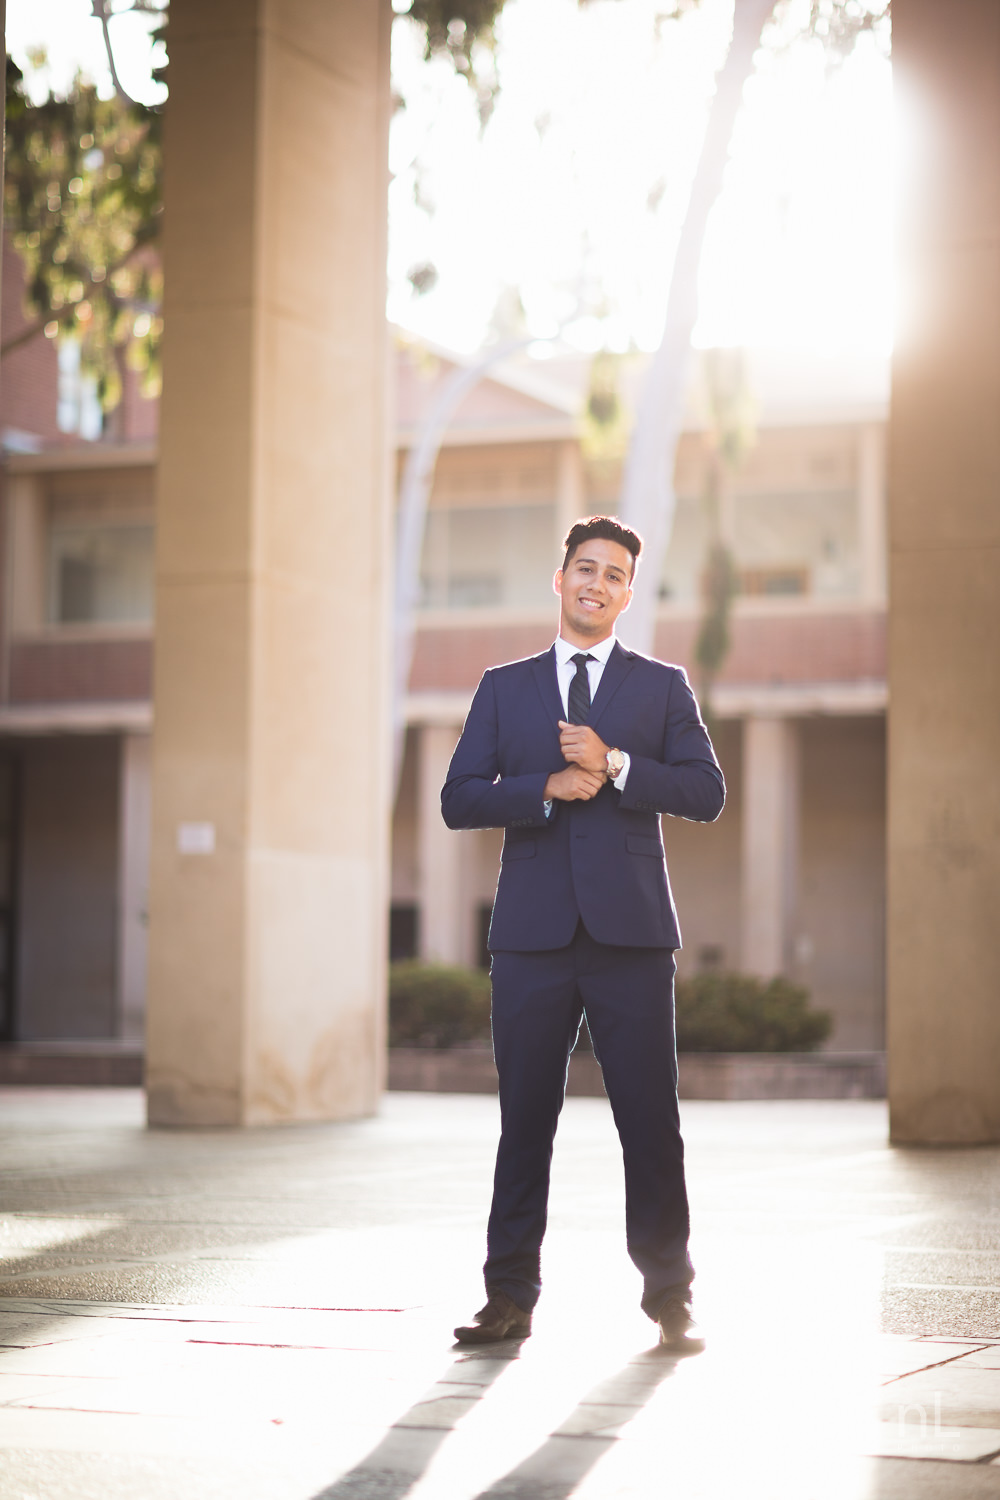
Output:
x=798 y=543
x=403 y=931
x=803 y=543
x=685 y=559
x=78 y=408
x=490 y=555
x=755 y=582
x=101 y=573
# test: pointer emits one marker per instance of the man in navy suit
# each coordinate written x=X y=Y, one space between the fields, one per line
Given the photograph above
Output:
x=575 y=754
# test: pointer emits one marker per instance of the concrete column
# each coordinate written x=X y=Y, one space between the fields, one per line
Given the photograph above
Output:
x=270 y=754
x=571 y=499
x=871 y=512
x=133 y=886
x=27 y=564
x=770 y=842
x=944 y=628
x=24 y=566
x=443 y=898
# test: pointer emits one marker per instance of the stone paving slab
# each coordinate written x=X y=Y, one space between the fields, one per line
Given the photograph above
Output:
x=986 y=1357
x=894 y=1479
x=267 y=1314
x=961 y=1396
x=900 y=1356
x=912 y=1439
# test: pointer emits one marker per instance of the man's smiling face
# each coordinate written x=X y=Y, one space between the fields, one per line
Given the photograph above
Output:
x=594 y=588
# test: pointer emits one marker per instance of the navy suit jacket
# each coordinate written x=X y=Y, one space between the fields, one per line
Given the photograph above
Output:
x=601 y=860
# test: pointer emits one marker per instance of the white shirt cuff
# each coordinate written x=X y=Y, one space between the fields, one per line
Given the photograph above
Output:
x=619 y=781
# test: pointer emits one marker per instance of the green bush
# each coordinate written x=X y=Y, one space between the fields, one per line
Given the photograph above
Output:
x=436 y=1005
x=738 y=1013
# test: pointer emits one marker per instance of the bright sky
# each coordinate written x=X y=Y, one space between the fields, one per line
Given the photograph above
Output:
x=574 y=192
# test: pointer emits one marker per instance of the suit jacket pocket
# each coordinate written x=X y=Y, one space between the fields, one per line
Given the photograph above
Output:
x=522 y=849
x=640 y=843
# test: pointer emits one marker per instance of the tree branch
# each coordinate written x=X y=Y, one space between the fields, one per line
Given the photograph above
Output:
x=647 y=499
x=100 y=10
x=34 y=329
x=145 y=236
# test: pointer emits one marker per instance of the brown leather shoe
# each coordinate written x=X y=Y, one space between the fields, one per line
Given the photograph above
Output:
x=679 y=1333
x=499 y=1319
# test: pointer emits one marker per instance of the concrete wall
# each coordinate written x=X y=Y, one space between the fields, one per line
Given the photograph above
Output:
x=68 y=889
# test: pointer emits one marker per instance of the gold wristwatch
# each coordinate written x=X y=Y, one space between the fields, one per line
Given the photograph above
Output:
x=616 y=764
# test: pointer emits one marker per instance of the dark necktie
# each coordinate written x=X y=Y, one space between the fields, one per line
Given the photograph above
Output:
x=579 y=691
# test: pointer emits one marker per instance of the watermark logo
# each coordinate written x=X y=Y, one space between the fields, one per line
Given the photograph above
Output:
x=912 y=1413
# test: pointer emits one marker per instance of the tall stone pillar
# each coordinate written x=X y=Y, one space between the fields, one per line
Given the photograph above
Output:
x=571 y=493
x=944 y=624
x=770 y=841
x=270 y=770
x=443 y=914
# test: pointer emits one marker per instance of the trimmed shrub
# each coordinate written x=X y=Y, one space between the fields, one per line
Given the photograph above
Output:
x=738 y=1013
x=437 y=1005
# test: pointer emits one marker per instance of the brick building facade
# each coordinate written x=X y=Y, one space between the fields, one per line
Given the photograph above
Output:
x=790 y=879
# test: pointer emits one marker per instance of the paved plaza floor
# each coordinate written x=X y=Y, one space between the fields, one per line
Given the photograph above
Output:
x=267 y=1314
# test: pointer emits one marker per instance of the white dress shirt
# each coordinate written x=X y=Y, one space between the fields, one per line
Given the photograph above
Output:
x=566 y=671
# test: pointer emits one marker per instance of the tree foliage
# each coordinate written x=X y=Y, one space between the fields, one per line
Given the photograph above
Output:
x=729 y=434
x=719 y=589
x=82 y=201
x=455 y=25
x=839 y=23
x=605 y=418
x=83 y=183
x=463 y=31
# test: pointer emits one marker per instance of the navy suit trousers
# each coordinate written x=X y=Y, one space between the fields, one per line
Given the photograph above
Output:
x=539 y=999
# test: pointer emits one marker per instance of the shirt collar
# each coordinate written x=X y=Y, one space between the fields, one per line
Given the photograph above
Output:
x=565 y=652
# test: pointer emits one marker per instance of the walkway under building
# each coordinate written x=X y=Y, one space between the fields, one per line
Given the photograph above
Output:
x=266 y=1314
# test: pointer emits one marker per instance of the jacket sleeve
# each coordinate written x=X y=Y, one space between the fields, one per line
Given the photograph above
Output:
x=686 y=780
x=475 y=794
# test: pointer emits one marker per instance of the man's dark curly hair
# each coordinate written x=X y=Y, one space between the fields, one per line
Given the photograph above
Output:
x=606 y=527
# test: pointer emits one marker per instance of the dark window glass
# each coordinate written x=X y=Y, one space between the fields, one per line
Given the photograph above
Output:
x=403 y=932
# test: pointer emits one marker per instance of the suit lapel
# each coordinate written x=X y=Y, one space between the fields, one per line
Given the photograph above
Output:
x=544 y=672
x=620 y=664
